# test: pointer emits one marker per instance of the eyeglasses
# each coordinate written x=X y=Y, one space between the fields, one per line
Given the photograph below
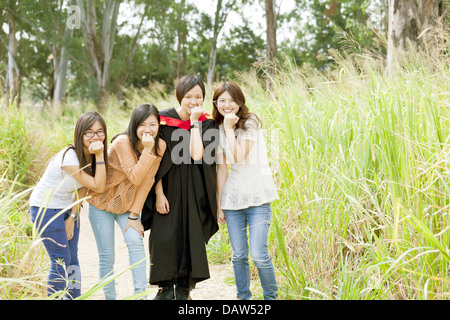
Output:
x=91 y=134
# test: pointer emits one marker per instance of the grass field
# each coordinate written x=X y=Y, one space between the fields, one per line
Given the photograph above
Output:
x=361 y=161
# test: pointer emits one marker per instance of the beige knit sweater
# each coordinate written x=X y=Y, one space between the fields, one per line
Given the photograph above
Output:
x=128 y=179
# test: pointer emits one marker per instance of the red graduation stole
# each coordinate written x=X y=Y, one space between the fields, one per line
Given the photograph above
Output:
x=183 y=124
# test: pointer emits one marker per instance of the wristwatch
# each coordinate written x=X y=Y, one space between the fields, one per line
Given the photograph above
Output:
x=196 y=124
x=74 y=216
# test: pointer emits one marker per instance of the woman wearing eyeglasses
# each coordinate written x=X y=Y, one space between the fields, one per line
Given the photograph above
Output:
x=76 y=168
x=134 y=158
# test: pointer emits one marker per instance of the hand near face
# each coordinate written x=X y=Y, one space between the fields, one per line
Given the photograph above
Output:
x=147 y=141
x=230 y=120
x=196 y=113
x=96 y=147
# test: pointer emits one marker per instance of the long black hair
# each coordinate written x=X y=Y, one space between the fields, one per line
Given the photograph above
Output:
x=140 y=113
x=84 y=123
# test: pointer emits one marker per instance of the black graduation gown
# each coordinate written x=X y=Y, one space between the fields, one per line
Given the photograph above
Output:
x=177 y=241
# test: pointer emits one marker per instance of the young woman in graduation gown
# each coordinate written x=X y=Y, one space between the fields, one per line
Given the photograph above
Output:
x=181 y=208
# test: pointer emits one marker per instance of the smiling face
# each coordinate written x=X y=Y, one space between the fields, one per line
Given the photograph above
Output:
x=226 y=104
x=193 y=98
x=148 y=126
x=229 y=98
x=95 y=133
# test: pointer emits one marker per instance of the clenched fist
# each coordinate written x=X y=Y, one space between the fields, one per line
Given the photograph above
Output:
x=96 y=147
x=196 y=113
x=230 y=120
x=148 y=142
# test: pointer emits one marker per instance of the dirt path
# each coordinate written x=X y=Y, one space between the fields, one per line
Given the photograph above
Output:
x=214 y=288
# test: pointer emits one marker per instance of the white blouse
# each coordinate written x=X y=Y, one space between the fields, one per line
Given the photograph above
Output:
x=55 y=189
x=249 y=183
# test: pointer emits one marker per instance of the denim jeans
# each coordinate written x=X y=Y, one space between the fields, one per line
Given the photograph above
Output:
x=102 y=223
x=258 y=219
x=64 y=272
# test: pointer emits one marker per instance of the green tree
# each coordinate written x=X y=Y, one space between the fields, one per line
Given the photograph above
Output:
x=324 y=24
x=239 y=51
x=223 y=9
x=99 y=39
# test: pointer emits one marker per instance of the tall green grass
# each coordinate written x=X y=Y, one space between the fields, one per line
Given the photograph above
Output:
x=21 y=265
x=362 y=166
x=28 y=140
x=22 y=262
x=363 y=176
x=18 y=146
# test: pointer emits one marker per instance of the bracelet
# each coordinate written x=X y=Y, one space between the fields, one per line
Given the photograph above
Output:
x=135 y=218
x=196 y=124
x=100 y=162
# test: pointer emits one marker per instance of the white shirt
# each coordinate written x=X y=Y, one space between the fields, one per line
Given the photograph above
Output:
x=249 y=183
x=55 y=189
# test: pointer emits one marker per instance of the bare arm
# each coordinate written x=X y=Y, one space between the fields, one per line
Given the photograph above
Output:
x=222 y=175
x=96 y=183
x=196 y=143
x=240 y=149
x=162 y=204
x=80 y=194
x=70 y=222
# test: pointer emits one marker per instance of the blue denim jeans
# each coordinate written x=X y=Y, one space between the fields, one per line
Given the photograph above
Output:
x=64 y=272
x=102 y=223
x=258 y=220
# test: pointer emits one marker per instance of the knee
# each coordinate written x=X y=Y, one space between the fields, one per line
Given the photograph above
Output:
x=240 y=256
x=106 y=256
x=58 y=266
x=261 y=259
x=133 y=239
x=60 y=259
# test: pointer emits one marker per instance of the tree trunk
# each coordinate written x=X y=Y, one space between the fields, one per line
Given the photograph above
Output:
x=213 y=51
x=12 y=71
x=99 y=54
x=125 y=74
x=220 y=17
x=61 y=63
x=212 y=61
x=407 y=19
x=181 y=39
x=271 y=41
x=108 y=35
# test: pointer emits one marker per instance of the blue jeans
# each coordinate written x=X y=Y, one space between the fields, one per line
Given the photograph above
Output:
x=258 y=219
x=102 y=223
x=64 y=273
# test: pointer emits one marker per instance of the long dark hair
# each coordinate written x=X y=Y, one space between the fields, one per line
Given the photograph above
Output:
x=140 y=113
x=238 y=96
x=84 y=123
x=185 y=84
